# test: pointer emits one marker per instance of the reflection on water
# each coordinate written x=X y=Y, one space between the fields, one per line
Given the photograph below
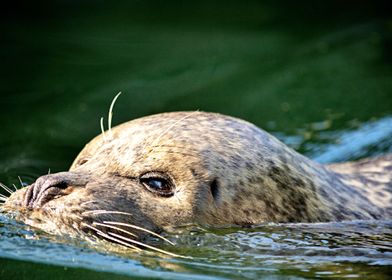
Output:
x=367 y=139
x=374 y=137
x=349 y=249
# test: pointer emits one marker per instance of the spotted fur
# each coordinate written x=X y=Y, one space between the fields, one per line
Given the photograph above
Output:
x=225 y=171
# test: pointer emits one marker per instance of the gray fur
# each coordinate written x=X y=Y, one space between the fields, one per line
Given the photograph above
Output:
x=225 y=171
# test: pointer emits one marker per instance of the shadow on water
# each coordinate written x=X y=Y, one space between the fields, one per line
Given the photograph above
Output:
x=316 y=75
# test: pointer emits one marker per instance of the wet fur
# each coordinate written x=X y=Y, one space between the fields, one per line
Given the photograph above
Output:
x=226 y=171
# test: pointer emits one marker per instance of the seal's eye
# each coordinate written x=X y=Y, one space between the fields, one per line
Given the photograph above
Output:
x=157 y=183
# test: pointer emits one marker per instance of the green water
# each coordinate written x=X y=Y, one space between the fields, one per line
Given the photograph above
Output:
x=317 y=75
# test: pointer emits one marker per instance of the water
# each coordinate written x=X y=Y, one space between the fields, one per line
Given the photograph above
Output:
x=317 y=77
x=349 y=249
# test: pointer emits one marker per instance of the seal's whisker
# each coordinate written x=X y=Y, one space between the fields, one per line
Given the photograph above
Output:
x=145 y=245
x=116 y=228
x=110 y=114
x=97 y=212
x=48 y=171
x=110 y=117
x=88 y=202
x=91 y=227
x=168 y=129
x=6 y=188
x=174 y=152
x=24 y=184
x=3 y=199
x=119 y=241
x=3 y=196
x=20 y=181
x=16 y=189
x=139 y=228
x=178 y=147
x=102 y=129
x=101 y=233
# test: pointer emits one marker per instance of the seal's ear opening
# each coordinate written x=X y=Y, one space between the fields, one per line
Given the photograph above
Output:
x=214 y=187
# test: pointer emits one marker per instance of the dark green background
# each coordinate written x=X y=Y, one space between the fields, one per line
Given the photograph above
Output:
x=287 y=66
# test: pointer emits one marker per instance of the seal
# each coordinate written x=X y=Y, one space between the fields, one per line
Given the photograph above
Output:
x=159 y=172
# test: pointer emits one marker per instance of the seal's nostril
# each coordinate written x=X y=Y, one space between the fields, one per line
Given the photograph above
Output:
x=52 y=192
x=52 y=186
x=43 y=190
x=60 y=185
x=28 y=195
